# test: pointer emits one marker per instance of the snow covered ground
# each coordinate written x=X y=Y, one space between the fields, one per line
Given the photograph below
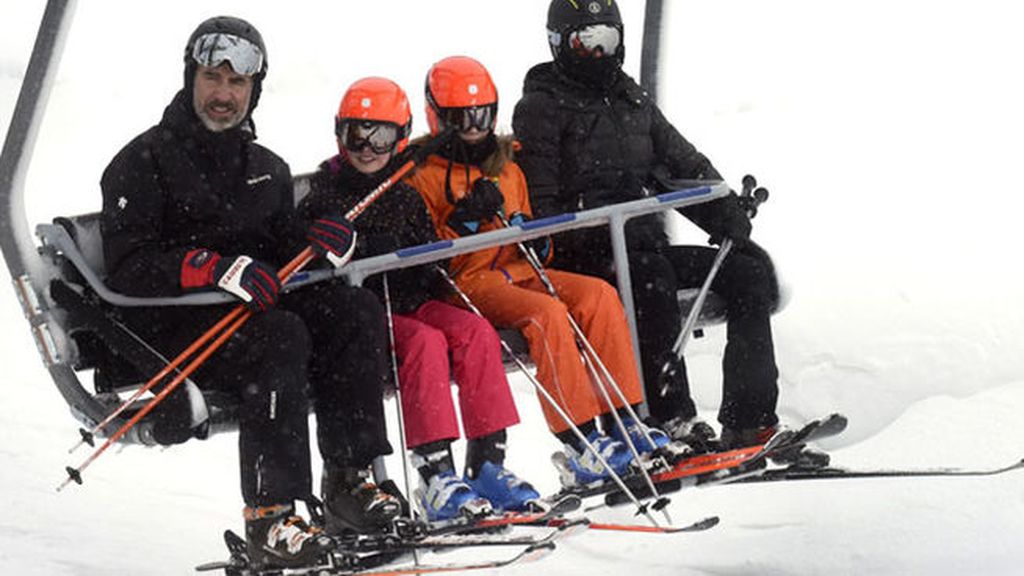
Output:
x=889 y=136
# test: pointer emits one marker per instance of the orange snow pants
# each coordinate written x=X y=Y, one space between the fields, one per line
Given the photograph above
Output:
x=542 y=319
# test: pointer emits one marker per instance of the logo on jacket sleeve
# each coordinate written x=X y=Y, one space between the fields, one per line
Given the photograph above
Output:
x=257 y=179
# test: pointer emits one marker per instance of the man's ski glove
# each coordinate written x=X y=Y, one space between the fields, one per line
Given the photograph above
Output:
x=540 y=246
x=482 y=202
x=334 y=237
x=731 y=222
x=251 y=281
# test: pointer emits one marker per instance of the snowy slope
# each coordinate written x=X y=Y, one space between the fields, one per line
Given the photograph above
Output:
x=889 y=137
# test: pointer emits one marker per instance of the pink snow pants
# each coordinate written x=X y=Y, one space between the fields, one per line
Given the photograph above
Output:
x=424 y=342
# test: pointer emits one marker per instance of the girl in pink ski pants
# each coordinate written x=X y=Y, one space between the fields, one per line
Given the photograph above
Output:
x=439 y=343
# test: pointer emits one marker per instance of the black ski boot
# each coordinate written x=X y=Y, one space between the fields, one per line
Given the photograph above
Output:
x=734 y=438
x=277 y=538
x=354 y=504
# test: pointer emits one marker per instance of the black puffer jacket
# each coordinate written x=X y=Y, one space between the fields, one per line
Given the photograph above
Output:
x=584 y=147
x=397 y=219
x=177 y=187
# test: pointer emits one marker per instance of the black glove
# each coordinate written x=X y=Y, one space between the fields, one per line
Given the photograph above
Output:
x=481 y=204
x=540 y=246
x=333 y=236
x=251 y=281
x=732 y=222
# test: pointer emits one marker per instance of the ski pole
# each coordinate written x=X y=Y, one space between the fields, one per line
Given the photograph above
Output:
x=754 y=197
x=398 y=399
x=238 y=316
x=88 y=436
x=75 y=474
x=603 y=381
x=641 y=508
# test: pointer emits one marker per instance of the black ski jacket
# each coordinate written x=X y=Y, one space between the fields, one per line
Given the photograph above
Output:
x=584 y=147
x=397 y=219
x=178 y=187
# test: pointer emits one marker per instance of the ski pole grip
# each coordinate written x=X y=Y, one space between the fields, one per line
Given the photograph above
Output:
x=752 y=195
x=749 y=183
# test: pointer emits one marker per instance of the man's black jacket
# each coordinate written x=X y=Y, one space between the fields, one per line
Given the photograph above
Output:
x=178 y=187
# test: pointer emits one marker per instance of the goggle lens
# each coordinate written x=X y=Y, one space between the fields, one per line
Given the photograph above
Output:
x=465 y=119
x=212 y=50
x=355 y=135
x=595 y=41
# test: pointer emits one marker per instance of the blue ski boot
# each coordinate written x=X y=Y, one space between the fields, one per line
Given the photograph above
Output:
x=447 y=497
x=505 y=490
x=664 y=446
x=578 y=469
x=638 y=436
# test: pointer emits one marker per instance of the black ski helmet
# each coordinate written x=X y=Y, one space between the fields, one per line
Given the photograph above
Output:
x=235 y=27
x=567 y=15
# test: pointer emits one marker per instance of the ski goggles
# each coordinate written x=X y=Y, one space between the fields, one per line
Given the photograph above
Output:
x=595 y=40
x=214 y=49
x=482 y=118
x=380 y=137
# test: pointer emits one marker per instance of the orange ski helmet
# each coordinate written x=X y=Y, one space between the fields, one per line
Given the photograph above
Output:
x=373 y=100
x=461 y=85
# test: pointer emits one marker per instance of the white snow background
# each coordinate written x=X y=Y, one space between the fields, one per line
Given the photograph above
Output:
x=889 y=136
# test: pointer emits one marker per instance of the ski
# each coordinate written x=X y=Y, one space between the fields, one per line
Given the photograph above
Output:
x=559 y=528
x=706 y=467
x=838 y=473
x=530 y=554
x=345 y=562
x=698 y=526
x=721 y=467
x=560 y=505
x=785 y=441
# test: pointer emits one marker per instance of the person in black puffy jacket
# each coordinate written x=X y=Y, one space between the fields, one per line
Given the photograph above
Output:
x=194 y=204
x=591 y=137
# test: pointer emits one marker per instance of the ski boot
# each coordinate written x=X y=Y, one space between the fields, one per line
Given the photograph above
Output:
x=663 y=453
x=734 y=438
x=505 y=490
x=580 y=469
x=447 y=497
x=354 y=504
x=277 y=538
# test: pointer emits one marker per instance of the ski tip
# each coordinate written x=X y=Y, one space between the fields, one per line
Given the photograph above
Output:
x=565 y=504
x=709 y=522
x=698 y=526
x=538 y=551
x=836 y=417
x=211 y=566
